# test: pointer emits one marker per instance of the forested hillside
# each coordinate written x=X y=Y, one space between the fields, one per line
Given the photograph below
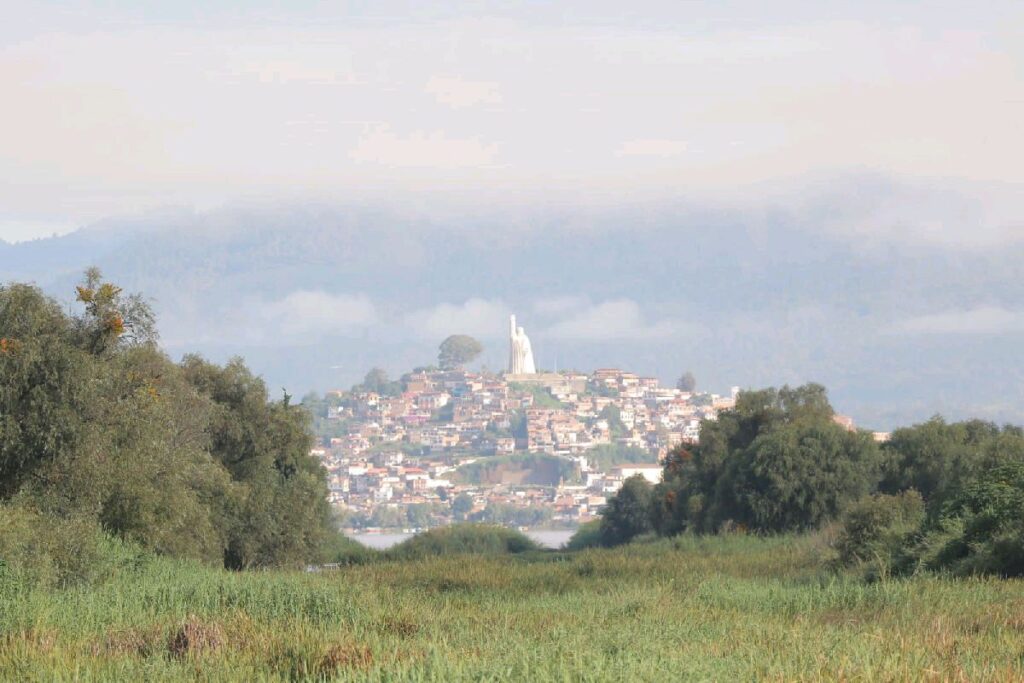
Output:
x=312 y=295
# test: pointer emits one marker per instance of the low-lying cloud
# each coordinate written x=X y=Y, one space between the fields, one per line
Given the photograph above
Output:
x=980 y=320
x=484 y=318
x=619 y=319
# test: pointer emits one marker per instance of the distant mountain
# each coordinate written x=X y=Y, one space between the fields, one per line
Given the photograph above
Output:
x=314 y=295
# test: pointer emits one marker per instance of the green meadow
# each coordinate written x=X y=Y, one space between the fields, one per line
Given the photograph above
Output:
x=723 y=608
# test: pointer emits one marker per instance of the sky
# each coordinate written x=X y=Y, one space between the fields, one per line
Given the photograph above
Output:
x=758 y=192
x=115 y=107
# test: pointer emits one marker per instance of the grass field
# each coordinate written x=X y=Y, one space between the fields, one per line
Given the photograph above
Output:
x=726 y=609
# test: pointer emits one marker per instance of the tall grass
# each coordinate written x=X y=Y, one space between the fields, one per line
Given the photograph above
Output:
x=725 y=608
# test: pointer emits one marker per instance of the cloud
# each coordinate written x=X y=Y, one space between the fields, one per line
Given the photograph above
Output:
x=875 y=209
x=302 y=316
x=559 y=304
x=619 y=319
x=981 y=320
x=484 y=318
x=652 y=148
x=422 y=149
x=458 y=93
x=206 y=112
x=305 y=312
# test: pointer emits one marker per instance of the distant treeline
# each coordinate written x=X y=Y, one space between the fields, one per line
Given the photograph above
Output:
x=110 y=451
x=103 y=436
x=935 y=496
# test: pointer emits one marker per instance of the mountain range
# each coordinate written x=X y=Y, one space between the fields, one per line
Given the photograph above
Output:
x=837 y=286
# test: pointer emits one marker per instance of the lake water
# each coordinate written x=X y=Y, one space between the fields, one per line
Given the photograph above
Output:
x=552 y=538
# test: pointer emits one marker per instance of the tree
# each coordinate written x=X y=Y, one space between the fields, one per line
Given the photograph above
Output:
x=874 y=528
x=44 y=387
x=612 y=414
x=99 y=427
x=457 y=350
x=377 y=381
x=280 y=514
x=775 y=462
x=978 y=530
x=462 y=505
x=687 y=382
x=799 y=476
x=605 y=456
x=935 y=458
x=111 y=318
x=628 y=513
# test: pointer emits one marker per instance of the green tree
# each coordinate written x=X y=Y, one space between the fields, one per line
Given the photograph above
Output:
x=799 y=476
x=97 y=425
x=111 y=317
x=613 y=415
x=462 y=505
x=773 y=463
x=377 y=381
x=605 y=456
x=978 y=530
x=421 y=515
x=628 y=513
x=280 y=516
x=588 y=535
x=687 y=382
x=936 y=458
x=875 y=528
x=45 y=387
x=457 y=350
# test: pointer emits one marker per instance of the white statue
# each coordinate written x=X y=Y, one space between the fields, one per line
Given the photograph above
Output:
x=520 y=357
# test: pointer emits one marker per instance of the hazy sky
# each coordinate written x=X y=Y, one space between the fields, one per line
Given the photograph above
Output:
x=114 y=107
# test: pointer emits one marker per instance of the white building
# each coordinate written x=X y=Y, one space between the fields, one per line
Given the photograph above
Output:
x=650 y=472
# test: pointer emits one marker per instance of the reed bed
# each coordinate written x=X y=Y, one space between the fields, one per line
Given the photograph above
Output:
x=724 y=608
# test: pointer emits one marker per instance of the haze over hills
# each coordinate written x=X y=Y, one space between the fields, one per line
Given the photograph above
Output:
x=830 y=288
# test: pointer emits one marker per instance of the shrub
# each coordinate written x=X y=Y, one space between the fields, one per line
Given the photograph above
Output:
x=340 y=549
x=41 y=549
x=980 y=530
x=628 y=514
x=477 y=539
x=874 y=528
x=588 y=535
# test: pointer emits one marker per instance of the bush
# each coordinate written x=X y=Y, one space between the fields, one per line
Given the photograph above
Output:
x=39 y=549
x=459 y=539
x=874 y=528
x=340 y=549
x=588 y=535
x=628 y=514
x=980 y=530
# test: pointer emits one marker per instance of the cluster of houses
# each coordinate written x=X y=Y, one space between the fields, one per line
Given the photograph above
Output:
x=411 y=450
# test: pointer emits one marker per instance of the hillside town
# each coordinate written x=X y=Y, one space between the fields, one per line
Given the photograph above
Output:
x=523 y=448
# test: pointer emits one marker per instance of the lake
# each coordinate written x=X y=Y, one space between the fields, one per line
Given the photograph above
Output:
x=549 y=538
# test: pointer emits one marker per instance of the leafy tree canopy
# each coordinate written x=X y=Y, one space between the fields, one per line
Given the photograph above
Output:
x=457 y=350
x=190 y=459
x=687 y=382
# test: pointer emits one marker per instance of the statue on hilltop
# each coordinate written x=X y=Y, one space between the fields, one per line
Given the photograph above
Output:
x=520 y=357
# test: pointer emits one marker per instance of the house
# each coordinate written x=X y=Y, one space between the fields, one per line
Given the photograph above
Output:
x=650 y=472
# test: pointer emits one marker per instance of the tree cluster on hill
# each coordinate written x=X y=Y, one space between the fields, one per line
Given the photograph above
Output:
x=457 y=350
x=605 y=456
x=378 y=382
x=542 y=396
x=190 y=459
x=935 y=496
x=529 y=468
